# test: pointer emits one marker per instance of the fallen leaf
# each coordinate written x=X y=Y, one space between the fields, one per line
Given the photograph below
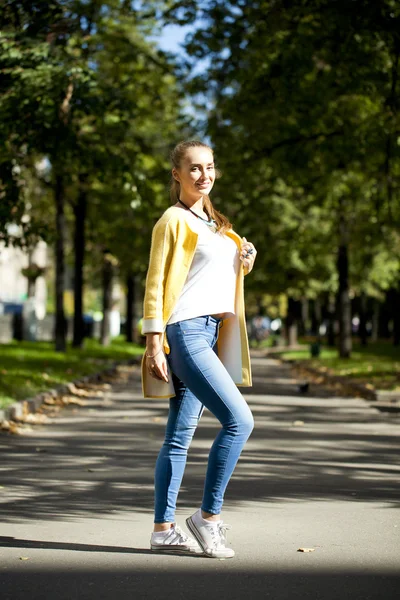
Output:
x=15 y=428
x=305 y=549
x=36 y=419
x=24 y=558
x=19 y=429
x=97 y=386
x=71 y=400
x=82 y=392
x=50 y=401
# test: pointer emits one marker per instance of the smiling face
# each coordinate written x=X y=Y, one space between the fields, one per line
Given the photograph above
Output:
x=196 y=173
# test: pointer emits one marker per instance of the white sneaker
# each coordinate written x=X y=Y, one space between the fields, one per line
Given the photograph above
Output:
x=211 y=536
x=175 y=540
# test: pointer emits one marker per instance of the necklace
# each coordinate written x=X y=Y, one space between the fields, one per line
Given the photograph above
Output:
x=210 y=222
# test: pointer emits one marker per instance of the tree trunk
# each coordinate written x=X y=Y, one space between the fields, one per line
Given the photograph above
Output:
x=375 y=321
x=31 y=281
x=396 y=317
x=305 y=316
x=316 y=316
x=343 y=299
x=60 y=325
x=80 y=215
x=108 y=272
x=362 y=331
x=328 y=315
x=291 y=323
x=260 y=306
x=130 y=308
x=384 y=318
x=31 y=288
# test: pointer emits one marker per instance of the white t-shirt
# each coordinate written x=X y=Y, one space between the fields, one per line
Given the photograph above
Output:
x=210 y=285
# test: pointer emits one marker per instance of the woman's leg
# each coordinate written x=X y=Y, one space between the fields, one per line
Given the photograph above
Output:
x=184 y=414
x=194 y=360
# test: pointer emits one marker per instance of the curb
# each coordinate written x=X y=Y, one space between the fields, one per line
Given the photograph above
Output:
x=383 y=400
x=19 y=409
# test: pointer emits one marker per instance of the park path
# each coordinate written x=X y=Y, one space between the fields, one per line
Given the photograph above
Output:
x=318 y=472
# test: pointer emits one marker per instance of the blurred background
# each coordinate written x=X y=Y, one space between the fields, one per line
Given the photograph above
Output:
x=300 y=101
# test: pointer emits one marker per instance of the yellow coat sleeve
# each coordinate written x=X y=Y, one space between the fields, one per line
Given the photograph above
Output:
x=162 y=242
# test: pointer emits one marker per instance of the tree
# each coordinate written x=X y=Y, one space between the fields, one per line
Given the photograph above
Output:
x=88 y=92
x=304 y=98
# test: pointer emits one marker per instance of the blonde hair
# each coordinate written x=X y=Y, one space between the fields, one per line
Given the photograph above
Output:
x=177 y=155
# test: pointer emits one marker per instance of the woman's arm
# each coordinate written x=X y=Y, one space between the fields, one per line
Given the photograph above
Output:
x=162 y=241
x=153 y=343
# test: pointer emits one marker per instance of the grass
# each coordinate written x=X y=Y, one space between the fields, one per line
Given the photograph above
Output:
x=376 y=365
x=28 y=368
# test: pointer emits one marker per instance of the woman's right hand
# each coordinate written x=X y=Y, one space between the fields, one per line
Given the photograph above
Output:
x=157 y=366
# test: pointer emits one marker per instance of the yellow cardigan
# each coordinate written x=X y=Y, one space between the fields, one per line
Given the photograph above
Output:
x=173 y=245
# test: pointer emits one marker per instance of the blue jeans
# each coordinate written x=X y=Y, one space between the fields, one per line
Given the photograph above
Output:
x=200 y=380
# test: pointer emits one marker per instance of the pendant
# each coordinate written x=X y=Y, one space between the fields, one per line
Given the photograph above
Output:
x=212 y=225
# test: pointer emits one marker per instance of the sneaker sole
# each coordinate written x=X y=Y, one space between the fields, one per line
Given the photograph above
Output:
x=195 y=532
x=174 y=549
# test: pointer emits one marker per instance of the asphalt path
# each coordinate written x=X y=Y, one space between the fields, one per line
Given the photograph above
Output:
x=319 y=472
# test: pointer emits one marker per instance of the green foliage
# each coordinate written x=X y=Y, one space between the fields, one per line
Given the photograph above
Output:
x=377 y=365
x=85 y=94
x=304 y=118
x=301 y=101
x=29 y=368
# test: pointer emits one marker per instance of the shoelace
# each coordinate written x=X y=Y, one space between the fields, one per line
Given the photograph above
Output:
x=218 y=534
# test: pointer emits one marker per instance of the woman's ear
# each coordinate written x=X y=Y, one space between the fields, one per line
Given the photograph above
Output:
x=175 y=175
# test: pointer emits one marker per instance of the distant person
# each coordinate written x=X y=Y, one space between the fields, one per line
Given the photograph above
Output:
x=196 y=347
x=260 y=328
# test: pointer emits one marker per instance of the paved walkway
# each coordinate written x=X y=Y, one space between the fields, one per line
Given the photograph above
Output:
x=319 y=472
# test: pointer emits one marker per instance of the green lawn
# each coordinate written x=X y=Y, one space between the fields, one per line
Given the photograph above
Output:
x=27 y=368
x=377 y=365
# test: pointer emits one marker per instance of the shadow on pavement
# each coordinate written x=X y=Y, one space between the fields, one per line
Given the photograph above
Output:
x=12 y=542
x=100 y=458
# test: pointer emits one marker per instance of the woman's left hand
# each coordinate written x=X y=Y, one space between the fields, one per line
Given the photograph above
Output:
x=247 y=254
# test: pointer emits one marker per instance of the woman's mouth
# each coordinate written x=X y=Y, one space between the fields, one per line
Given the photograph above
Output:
x=203 y=185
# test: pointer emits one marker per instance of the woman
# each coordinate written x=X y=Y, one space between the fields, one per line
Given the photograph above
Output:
x=196 y=347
